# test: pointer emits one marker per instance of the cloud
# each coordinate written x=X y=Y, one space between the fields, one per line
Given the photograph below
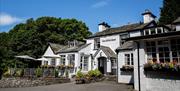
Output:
x=6 y=19
x=100 y=4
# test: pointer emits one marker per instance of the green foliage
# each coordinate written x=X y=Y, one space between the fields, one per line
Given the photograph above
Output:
x=56 y=72
x=79 y=74
x=38 y=72
x=66 y=73
x=170 y=11
x=94 y=73
x=31 y=38
x=19 y=73
x=6 y=72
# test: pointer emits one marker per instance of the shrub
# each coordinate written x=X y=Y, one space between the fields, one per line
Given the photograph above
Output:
x=79 y=74
x=7 y=73
x=38 y=72
x=94 y=73
x=56 y=72
x=19 y=73
x=66 y=73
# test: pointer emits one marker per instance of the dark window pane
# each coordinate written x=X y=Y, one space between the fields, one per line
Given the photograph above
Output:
x=147 y=44
x=167 y=54
x=160 y=49
x=153 y=31
x=166 y=49
x=153 y=44
x=167 y=60
x=153 y=49
x=174 y=54
x=161 y=60
x=161 y=55
x=154 y=55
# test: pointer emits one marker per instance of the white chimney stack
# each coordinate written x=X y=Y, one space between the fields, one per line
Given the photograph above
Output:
x=148 y=16
x=103 y=26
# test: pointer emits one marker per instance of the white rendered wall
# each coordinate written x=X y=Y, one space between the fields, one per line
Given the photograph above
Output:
x=87 y=51
x=147 y=18
x=110 y=41
x=135 y=33
x=160 y=83
x=142 y=62
x=101 y=28
x=178 y=27
x=124 y=77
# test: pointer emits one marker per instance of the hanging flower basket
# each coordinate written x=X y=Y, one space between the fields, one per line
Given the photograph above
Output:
x=70 y=66
x=61 y=66
x=127 y=68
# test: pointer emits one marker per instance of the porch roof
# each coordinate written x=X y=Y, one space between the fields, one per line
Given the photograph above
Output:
x=155 y=36
x=108 y=52
x=129 y=45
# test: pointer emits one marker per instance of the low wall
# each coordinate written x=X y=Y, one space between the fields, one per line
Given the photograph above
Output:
x=161 y=81
x=26 y=82
x=125 y=77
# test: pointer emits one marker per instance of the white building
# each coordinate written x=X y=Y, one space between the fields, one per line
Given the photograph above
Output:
x=123 y=51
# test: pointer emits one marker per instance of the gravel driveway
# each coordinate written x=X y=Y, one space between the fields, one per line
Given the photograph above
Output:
x=98 y=86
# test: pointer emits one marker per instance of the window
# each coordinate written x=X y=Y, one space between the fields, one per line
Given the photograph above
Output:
x=45 y=62
x=159 y=30
x=96 y=43
x=63 y=59
x=71 y=59
x=151 y=51
x=129 y=59
x=153 y=31
x=113 y=62
x=175 y=48
x=53 y=60
x=84 y=63
x=123 y=36
x=164 y=52
x=146 y=32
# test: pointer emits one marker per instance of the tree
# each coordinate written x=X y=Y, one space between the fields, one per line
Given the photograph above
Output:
x=170 y=11
x=31 y=38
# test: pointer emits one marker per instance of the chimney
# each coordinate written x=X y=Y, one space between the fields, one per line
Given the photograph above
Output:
x=103 y=26
x=148 y=16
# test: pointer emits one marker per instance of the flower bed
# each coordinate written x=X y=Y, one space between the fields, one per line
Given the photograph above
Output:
x=91 y=76
x=127 y=68
x=162 y=67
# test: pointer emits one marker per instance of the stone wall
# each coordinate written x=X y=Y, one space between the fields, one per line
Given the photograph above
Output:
x=25 y=82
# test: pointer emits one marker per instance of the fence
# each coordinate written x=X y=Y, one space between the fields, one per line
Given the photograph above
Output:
x=36 y=72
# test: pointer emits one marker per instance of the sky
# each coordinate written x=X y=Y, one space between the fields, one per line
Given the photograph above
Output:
x=92 y=12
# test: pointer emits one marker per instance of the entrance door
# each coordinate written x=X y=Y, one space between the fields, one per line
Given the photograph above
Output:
x=102 y=65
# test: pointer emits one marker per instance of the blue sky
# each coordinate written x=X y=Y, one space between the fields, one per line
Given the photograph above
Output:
x=92 y=12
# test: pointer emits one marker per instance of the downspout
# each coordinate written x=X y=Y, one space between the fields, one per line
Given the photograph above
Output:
x=117 y=66
x=139 y=80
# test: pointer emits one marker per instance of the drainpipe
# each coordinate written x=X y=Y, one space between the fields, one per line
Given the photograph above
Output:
x=117 y=66
x=139 y=80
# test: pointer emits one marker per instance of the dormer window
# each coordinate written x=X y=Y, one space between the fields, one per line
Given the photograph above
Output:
x=72 y=43
x=157 y=30
x=96 y=43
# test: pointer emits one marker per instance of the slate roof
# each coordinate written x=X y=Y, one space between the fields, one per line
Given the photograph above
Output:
x=55 y=47
x=67 y=49
x=126 y=46
x=125 y=28
x=177 y=20
x=108 y=52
